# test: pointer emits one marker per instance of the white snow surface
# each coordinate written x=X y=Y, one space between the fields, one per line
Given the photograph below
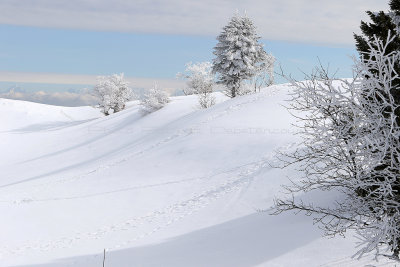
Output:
x=177 y=187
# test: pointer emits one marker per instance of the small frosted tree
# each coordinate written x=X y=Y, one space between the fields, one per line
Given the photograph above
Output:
x=265 y=73
x=154 y=99
x=239 y=55
x=351 y=146
x=113 y=93
x=200 y=81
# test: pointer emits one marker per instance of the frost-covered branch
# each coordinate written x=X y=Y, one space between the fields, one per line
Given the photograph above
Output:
x=350 y=145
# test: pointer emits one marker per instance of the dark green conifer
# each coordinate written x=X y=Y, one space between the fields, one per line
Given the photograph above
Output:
x=381 y=26
x=382 y=23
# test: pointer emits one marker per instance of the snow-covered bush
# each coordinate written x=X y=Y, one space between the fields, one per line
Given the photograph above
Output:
x=154 y=99
x=200 y=81
x=239 y=55
x=113 y=92
x=245 y=88
x=206 y=99
x=351 y=146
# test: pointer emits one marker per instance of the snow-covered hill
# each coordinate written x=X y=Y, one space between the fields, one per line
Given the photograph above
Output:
x=178 y=187
x=26 y=116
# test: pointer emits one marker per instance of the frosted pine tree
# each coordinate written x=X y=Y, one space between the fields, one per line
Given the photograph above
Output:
x=113 y=92
x=239 y=55
x=154 y=99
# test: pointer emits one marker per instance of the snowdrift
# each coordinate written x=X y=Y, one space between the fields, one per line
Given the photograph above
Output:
x=177 y=187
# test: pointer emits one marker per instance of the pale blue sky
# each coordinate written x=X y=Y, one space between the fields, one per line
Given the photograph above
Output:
x=33 y=49
x=60 y=45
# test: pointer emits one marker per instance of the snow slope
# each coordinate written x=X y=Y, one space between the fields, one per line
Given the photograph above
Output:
x=178 y=187
x=26 y=116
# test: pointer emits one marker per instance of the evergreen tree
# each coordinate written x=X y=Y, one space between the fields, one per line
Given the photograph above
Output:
x=238 y=53
x=380 y=27
x=384 y=25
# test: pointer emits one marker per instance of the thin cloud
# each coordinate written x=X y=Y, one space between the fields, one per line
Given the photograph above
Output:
x=56 y=78
x=314 y=21
x=82 y=97
x=53 y=98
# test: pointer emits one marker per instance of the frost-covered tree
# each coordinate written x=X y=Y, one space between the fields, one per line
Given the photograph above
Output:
x=113 y=92
x=200 y=81
x=351 y=147
x=154 y=99
x=265 y=74
x=383 y=25
x=239 y=55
